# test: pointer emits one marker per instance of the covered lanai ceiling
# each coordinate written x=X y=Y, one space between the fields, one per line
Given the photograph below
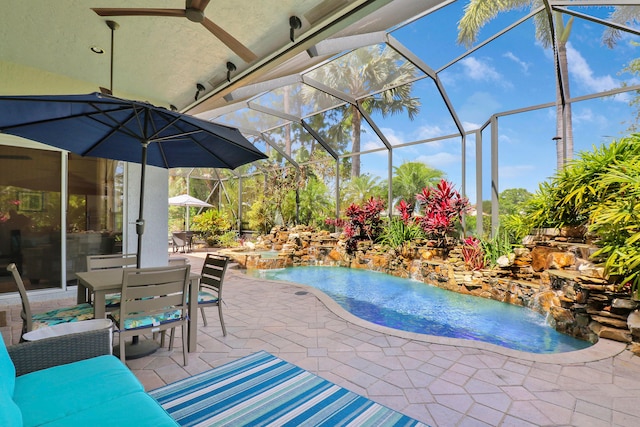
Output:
x=48 y=47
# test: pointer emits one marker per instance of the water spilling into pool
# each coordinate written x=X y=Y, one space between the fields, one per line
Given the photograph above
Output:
x=413 y=306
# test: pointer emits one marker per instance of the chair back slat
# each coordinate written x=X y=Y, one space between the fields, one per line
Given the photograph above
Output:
x=153 y=290
x=105 y=262
x=27 y=320
x=213 y=271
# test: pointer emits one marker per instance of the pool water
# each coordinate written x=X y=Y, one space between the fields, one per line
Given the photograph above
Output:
x=414 y=306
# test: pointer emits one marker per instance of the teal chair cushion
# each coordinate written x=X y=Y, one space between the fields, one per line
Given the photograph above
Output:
x=52 y=394
x=205 y=297
x=111 y=301
x=146 y=321
x=63 y=315
x=10 y=414
x=7 y=370
x=133 y=410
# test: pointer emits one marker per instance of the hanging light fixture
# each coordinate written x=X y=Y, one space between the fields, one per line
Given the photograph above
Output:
x=231 y=67
x=294 y=24
x=113 y=26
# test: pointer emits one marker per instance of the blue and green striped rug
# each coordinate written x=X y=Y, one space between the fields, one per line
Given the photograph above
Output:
x=263 y=390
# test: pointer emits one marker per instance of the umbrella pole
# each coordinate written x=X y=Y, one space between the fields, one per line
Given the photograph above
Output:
x=140 y=220
x=139 y=348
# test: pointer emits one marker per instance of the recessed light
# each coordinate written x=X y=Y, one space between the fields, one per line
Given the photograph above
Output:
x=97 y=49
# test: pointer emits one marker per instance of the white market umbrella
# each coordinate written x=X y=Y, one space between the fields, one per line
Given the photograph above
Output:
x=187 y=201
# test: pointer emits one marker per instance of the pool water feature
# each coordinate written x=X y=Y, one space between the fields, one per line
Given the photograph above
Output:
x=414 y=306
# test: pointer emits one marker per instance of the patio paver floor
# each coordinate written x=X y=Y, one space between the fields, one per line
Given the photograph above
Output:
x=441 y=382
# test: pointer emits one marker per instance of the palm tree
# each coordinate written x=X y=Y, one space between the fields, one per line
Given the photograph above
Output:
x=364 y=71
x=315 y=202
x=410 y=178
x=478 y=12
x=360 y=189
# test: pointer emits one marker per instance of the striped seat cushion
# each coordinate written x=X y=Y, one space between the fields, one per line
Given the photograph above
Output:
x=63 y=315
x=146 y=321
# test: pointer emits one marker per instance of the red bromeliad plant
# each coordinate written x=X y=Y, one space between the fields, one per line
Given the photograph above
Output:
x=472 y=253
x=363 y=222
x=443 y=209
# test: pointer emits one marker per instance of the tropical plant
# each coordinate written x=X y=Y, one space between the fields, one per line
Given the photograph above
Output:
x=473 y=254
x=361 y=188
x=616 y=222
x=228 y=239
x=574 y=192
x=479 y=12
x=315 y=202
x=495 y=247
x=363 y=71
x=261 y=216
x=398 y=232
x=410 y=178
x=210 y=223
x=363 y=223
x=443 y=207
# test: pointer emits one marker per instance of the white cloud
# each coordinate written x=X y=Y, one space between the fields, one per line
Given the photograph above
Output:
x=480 y=70
x=581 y=71
x=439 y=160
x=587 y=115
x=521 y=63
x=428 y=132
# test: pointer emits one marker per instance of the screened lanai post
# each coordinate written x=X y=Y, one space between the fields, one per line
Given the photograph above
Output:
x=240 y=205
x=389 y=182
x=463 y=186
x=495 y=206
x=479 y=210
x=337 y=188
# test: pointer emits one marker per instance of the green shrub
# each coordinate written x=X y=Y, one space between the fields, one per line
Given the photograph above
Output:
x=395 y=233
x=210 y=223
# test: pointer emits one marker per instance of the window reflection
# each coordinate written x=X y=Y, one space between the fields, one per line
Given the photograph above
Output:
x=30 y=214
x=30 y=217
x=94 y=210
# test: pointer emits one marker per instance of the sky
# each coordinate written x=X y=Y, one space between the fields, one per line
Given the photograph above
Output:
x=512 y=72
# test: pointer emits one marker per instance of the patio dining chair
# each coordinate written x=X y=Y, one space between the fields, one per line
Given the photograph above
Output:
x=211 y=280
x=31 y=321
x=179 y=239
x=107 y=262
x=153 y=300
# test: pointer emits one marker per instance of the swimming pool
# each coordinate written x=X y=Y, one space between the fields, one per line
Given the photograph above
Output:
x=414 y=306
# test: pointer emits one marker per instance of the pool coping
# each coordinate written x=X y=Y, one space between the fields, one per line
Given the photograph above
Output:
x=603 y=349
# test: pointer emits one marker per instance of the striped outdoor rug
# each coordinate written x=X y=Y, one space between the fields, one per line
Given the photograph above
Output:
x=262 y=390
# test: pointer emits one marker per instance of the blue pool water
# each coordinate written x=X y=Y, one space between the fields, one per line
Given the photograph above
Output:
x=414 y=306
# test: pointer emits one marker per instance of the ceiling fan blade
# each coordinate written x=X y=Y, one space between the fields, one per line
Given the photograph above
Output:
x=198 y=4
x=238 y=48
x=139 y=12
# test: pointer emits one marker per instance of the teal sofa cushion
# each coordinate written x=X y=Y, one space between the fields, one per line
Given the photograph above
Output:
x=135 y=410
x=10 y=414
x=7 y=370
x=55 y=393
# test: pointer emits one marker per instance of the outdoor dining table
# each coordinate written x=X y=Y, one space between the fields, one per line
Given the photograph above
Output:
x=103 y=282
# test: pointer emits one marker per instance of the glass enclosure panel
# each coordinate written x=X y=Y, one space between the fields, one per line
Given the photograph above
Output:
x=367 y=70
x=94 y=211
x=420 y=114
x=30 y=223
x=248 y=119
x=298 y=100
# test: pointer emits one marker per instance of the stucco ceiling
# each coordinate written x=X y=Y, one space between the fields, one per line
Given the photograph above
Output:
x=45 y=46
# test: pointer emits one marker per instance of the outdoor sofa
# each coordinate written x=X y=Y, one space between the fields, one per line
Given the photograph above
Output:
x=72 y=380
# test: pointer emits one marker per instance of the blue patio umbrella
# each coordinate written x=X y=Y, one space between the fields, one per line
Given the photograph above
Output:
x=98 y=125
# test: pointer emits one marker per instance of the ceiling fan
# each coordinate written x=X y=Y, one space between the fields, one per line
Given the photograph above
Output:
x=193 y=11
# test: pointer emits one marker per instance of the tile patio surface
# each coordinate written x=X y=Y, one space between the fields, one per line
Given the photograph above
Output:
x=442 y=382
